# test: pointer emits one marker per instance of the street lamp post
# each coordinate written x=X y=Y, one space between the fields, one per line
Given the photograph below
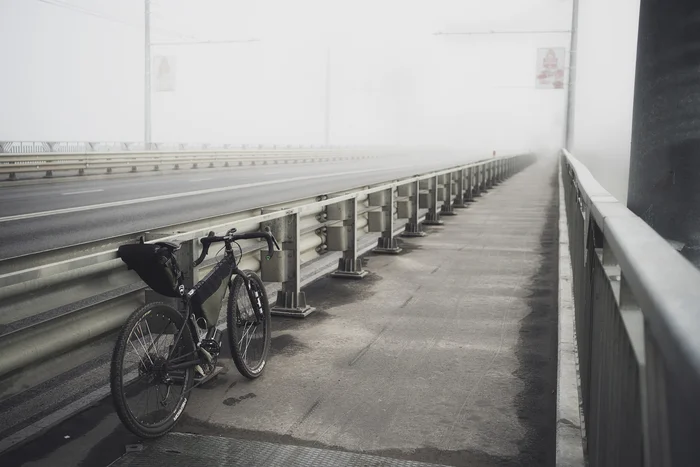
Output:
x=147 y=77
x=147 y=74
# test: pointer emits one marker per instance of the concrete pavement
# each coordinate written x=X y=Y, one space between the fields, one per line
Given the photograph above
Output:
x=443 y=354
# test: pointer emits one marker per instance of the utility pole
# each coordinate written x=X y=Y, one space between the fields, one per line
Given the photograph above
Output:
x=147 y=77
x=327 y=138
x=571 y=94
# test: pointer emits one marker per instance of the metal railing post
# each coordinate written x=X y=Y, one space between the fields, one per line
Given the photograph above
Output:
x=461 y=200
x=414 y=228
x=470 y=184
x=433 y=216
x=345 y=240
x=478 y=180
x=387 y=242
x=447 y=206
x=285 y=267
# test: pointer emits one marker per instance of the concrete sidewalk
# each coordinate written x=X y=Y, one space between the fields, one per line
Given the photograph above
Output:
x=445 y=353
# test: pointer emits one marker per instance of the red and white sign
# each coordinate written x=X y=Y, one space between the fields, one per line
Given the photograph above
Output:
x=165 y=69
x=551 y=68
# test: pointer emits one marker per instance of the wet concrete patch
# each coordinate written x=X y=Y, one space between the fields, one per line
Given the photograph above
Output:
x=537 y=351
x=286 y=344
x=328 y=292
x=231 y=401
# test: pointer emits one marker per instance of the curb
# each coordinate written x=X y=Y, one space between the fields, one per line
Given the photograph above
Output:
x=569 y=437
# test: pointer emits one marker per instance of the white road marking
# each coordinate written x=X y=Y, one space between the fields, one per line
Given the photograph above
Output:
x=200 y=179
x=128 y=202
x=81 y=192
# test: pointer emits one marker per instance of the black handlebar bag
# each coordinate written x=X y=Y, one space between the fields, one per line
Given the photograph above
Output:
x=155 y=265
x=207 y=296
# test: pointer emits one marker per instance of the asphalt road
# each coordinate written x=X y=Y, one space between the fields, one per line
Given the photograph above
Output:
x=45 y=216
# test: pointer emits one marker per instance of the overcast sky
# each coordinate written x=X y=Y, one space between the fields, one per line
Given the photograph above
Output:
x=77 y=73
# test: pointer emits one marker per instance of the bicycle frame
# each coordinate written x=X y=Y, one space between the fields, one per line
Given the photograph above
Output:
x=191 y=322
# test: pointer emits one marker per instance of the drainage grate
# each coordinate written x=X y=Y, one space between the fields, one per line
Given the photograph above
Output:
x=178 y=449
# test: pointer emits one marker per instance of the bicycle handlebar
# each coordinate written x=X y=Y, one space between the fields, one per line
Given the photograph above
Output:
x=231 y=237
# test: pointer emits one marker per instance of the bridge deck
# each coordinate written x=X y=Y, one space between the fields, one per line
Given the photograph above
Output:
x=444 y=354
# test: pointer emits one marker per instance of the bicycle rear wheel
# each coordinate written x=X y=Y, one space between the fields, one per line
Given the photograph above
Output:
x=248 y=337
x=147 y=396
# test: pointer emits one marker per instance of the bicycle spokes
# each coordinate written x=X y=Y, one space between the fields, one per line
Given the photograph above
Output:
x=153 y=391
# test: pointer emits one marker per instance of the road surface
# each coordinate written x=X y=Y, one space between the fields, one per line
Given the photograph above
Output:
x=45 y=216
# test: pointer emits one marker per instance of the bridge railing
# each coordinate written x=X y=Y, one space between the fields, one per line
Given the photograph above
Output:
x=637 y=307
x=25 y=147
x=55 y=302
x=12 y=164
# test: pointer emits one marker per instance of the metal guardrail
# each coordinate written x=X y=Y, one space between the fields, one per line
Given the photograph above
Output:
x=54 y=302
x=24 y=147
x=637 y=306
x=48 y=162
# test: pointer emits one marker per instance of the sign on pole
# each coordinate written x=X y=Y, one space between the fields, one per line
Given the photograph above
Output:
x=165 y=68
x=550 y=68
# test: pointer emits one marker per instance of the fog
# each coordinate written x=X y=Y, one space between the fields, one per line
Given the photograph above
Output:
x=74 y=71
x=607 y=43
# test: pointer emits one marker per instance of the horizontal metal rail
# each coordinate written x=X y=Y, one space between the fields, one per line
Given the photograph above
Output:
x=637 y=306
x=22 y=147
x=52 y=303
x=13 y=164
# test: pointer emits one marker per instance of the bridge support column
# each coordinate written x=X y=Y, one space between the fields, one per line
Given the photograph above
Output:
x=344 y=238
x=413 y=228
x=387 y=242
x=664 y=176
x=433 y=216
x=285 y=267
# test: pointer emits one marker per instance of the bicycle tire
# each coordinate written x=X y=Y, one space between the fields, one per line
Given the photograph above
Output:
x=238 y=321
x=129 y=337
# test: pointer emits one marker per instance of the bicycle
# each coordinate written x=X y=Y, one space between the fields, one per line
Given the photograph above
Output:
x=175 y=351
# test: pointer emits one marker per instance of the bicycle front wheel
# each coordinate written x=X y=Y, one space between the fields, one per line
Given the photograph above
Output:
x=249 y=337
x=148 y=397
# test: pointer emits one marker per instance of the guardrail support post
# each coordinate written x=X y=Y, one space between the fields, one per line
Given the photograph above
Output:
x=49 y=174
x=387 y=242
x=460 y=201
x=489 y=175
x=345 y=239
x=477 y=181
x=285 y=267
x=470 y=184
x=433 y=216
x=13 y=176
x=413 y=227
x=447 y=207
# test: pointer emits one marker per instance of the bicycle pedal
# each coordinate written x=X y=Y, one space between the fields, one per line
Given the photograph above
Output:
x=211 y=346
